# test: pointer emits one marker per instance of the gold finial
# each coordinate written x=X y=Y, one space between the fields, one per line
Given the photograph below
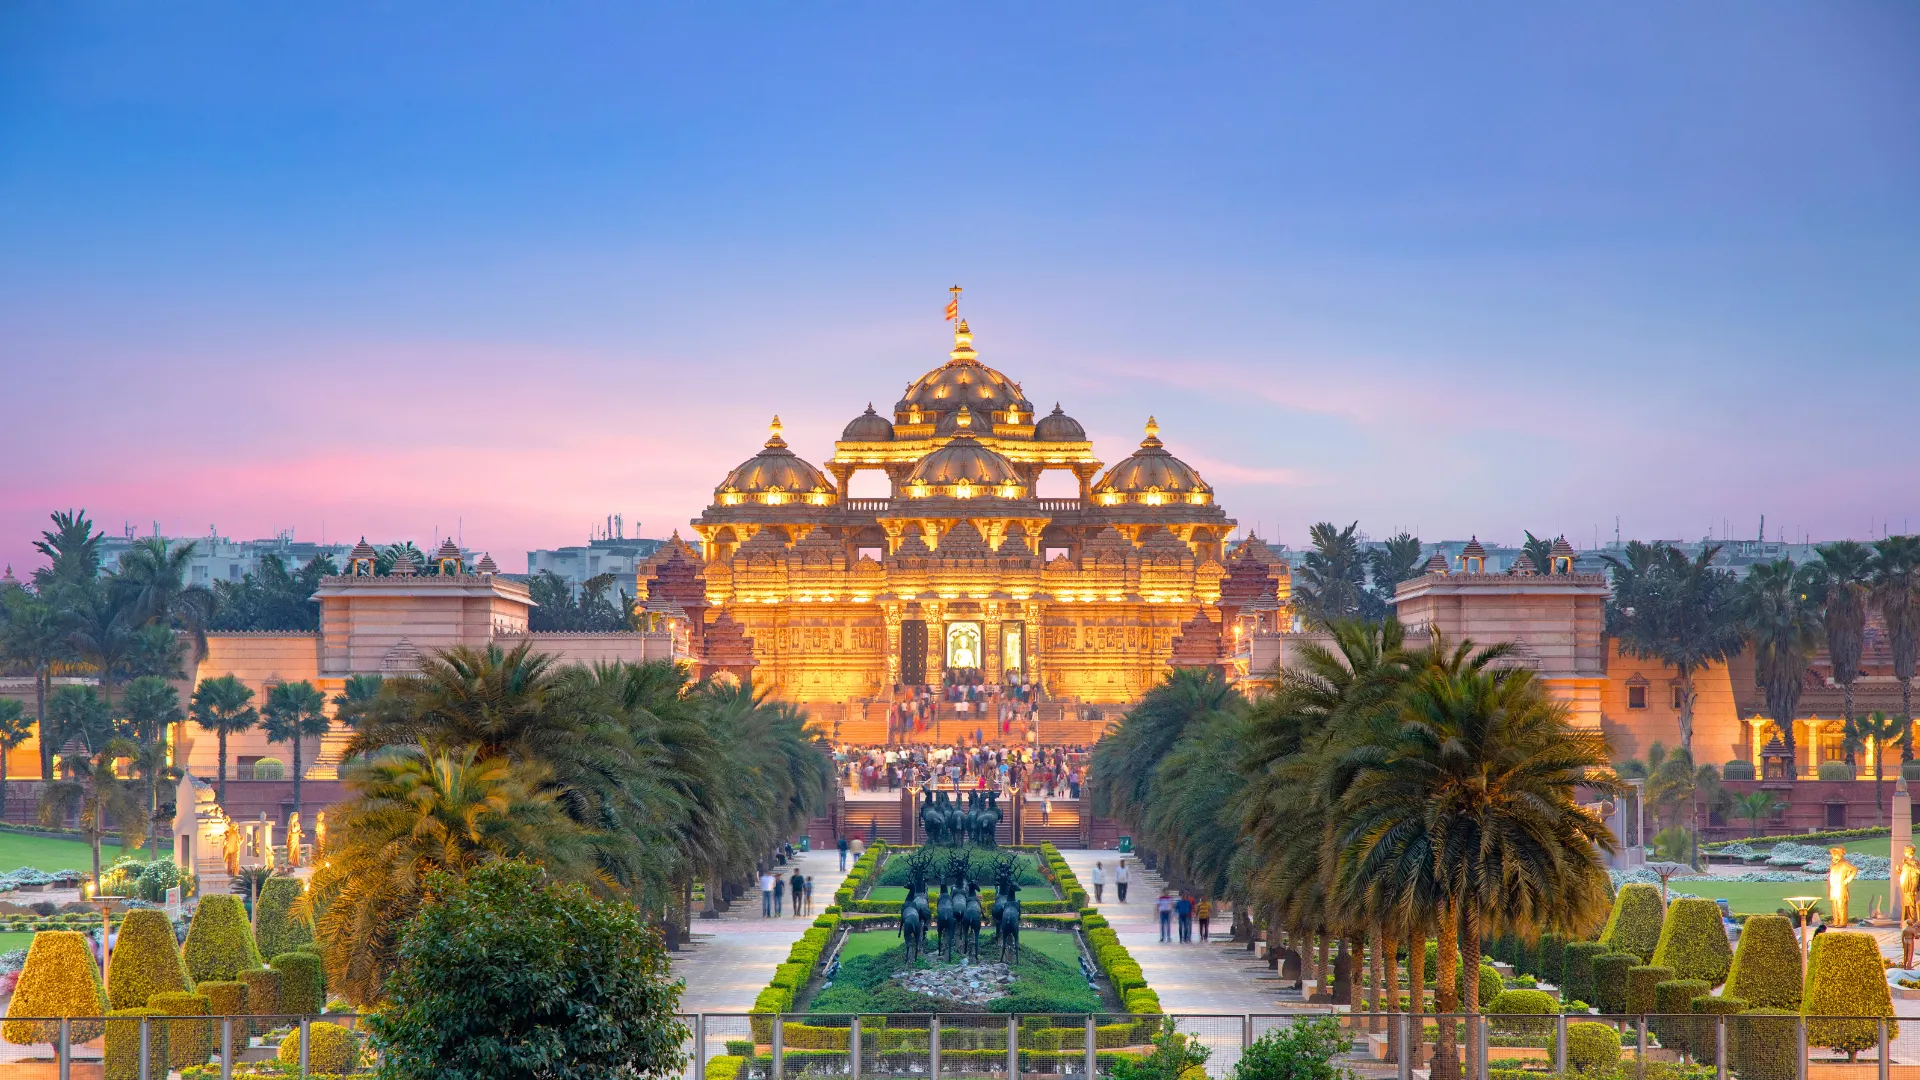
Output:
x=773 y=432
x=1153 y=433
x=964 y=420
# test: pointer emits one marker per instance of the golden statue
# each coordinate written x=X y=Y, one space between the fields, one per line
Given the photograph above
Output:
x=1909 y=885
x=230 y=849
x=1840 y=877
x=319 y=834
x=293 y=839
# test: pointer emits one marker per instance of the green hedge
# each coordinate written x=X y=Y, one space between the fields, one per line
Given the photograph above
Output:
x=1764 y=1044
x=1766 y=967
x=1671 y=999
x=1805 y=838
x=1693 y=942
x=1507 y=1009
x=123 y=1045
x=189 y=1042
x=303 y=986
x=1641 y=981
x=1592 y=1048
x=276 y=929
x=1633 y=926
x=1576 y=977
x=1846 y=978
x=146 y=961
x=1610 y=981
x=220 y=943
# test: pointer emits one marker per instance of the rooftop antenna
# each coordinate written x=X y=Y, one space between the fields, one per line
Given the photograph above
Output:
x=1763 y=529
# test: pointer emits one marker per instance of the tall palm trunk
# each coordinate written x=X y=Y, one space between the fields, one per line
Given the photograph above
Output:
x=3 y=784
x=41 y=678
x=1470 y=968
x=222 y=772
x=1906 y=714
x=1686 y=709
x=1376 y=1003
x=1446 y=997
x=1846 y=713
x=1416 y=994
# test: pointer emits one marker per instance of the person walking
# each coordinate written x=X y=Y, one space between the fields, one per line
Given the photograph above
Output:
x=779 y=887
x=766 y=894
x=1203 y=911
x=843 y=853
x=809 y=887
x=796 y=887
x=1164 y=905
x=1120 y=880
x=1099 y=882
x=1183 y=911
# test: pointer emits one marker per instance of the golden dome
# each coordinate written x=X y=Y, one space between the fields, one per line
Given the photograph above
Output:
x=1059 y=427
x=962 y=380
x=1152 y=477
x=964 y=469
x=869 y=426
x=774 y=476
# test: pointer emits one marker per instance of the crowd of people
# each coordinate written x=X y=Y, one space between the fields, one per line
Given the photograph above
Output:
x=1006 y=706
x=1051 y=772
x=778 y=890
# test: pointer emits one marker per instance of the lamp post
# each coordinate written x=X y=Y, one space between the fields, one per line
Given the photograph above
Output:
x=1804 y=905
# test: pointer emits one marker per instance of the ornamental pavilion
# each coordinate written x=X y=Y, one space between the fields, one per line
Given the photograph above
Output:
x=963 y=568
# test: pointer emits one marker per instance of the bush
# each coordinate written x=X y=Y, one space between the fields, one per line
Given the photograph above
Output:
x=1633 y=926
x=276 y=929
x=1610 y=981
x=1142 y=1002
x=220 y=944
x=189 y=1042
x=1764 y=1044
x=1703 y=1037
x=1491 y=984
x=1591 y=1047
x=726 y=1066
x=478 y=973
x=1551 y=964
x=1693 y=942
x=225 y=999
x=1672 y=998
x=1576 y=977
x=269 y=769
x=60 y=979
x=1737 y=770
x=334 y=1049
x=263 y=995
x=146 y=961
x=1641 y=981
x=1835 y=770
x=1766 y=967
x=1512 y=1003
x=303 y=987
x=1302 y=1050
x=1845 y=978
x=123 y=1045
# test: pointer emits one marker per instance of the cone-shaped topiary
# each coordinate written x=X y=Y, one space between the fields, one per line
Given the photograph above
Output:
x=219 y=942
x=1845 y=978
x=189 y=1042
x=334 y=1050
x=1576 y=979
x=1766 y=967
x=1633 y=926
x=123 y=1045
x=61 y=978
x=1693 y=942
x=1610 y=981
x=225 y=999
x=146 y=961
x=263 y=996
x=302 y=986
x=275 y=927
x=1763 y=1045
x=1641 y=981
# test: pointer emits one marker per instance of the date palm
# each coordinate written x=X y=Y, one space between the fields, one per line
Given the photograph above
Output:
x=1753 y=806
x=1781 y=619
x=224 y=706
x=106 y=637
x=152 y=581
x=1328 y=587
x=295 y=712
x=1678 y=611
x=37 y=640
x=72 y=549
x=1884 y=731
x=16 y=727
x=152 y=706
x=1678 y=784
x=86 y=785
x=1896 y=590
x=1843 y=571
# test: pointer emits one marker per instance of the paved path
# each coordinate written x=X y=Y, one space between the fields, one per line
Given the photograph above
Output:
x=731 y=958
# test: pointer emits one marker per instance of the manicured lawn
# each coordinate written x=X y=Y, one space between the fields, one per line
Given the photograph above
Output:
x=49 y=853
x=1765 y=898
x=14 y=940
x=1054 y=944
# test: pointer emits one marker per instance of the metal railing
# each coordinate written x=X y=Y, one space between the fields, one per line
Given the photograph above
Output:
x=154 y=1047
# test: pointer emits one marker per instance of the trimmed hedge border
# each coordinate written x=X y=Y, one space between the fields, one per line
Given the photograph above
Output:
x=1799 y=838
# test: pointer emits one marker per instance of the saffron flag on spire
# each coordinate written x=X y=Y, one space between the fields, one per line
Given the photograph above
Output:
x=953 y=309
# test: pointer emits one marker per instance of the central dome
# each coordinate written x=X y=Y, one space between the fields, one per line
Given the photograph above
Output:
x=962 y=380
x=964 y=469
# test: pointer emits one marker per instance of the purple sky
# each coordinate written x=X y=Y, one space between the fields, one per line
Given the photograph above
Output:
x=385 y=268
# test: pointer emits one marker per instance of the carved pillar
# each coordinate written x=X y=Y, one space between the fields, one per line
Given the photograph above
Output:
x=891 y=613
x=990 y=647
x=936 y=643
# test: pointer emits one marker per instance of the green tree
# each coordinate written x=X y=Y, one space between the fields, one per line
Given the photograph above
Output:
x=270 y=597
x=1678 y=611
x=1329 y=587
x=107 y=638
x=72 y=549
x=35 y=641
x=510 y=976
x=1306 y=1049
x=295 y=712
x=1754 y=806
x=1780 y=616
x=1883 y=731
x=152 y=706
x=1896 y=589
x=1842 y=573
x=87 y=786
x=1678 y=785
x=408 y=815
x=1394 y=561
x=356 y=698
x=1538 y=551
x=152 y=582
x=1172 y=1055
x=16 y=727
x=224 y=706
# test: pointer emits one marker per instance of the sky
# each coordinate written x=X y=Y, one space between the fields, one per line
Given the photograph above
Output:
x=408 y=269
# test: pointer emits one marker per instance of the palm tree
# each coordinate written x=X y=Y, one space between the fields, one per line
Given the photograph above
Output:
x=1781 y=619
x=1538 y=551
x=224 y=706
x=152 y=707
x=1753 y=806
x=295 y=712
x=16 y=727
x=1896 y=589
x=106 y=637
x=1844 y=569
x=153 y=582
x=87 y=785
x=1328 y=587
x=1394 y=561
x=37 y=640
x=408 y=815
x=1122 y=768
x=1884 y=731
x=1677 y=783
x=72 y=549
x=1675 y=610
x=356 y=698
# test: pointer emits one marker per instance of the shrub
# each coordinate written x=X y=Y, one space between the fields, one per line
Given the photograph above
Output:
x=263 y=995
x=269 y=769
x=1610 y=981
x=725 y=1067
x=1766 y=966
x=1576 y=978
x=1591 y=1047
x=1693 y=942
x=1511 y=1003
x=1737 y=770
x=123 y=1045
x=334 y=1049
x=1302 y=1050
x=276 y=929
x=478 y=973
x=60 y=979
x=1142 y=1001
x=1764 y=1044
x=146 y=961
x=1641 y=980
x=1703 y=1033
x=1551 y=960
x=189 y=1042
x=220 y=944
x=1490 y=984
x=225 y=999
x=1845 y=978
x=1673 y=998
x=1633 y=926
x=303 y=987
x=1835 y=770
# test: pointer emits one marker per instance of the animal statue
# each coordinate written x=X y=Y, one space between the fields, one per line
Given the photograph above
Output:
x=970 y=921
x=914 y=911
x=986 y=825
x=929 y=817
x=1006 y=908
x=951 y=909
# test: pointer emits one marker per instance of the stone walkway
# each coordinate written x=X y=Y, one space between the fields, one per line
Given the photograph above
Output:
x=731 y=958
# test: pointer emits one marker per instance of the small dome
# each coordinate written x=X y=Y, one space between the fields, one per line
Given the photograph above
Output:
x=1057 y=426
x=869 y=426
x=1153 y=477
x=962 y=380
x=965 y=469
x=775 y=475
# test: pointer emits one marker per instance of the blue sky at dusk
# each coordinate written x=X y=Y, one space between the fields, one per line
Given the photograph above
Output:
x=382 y=268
